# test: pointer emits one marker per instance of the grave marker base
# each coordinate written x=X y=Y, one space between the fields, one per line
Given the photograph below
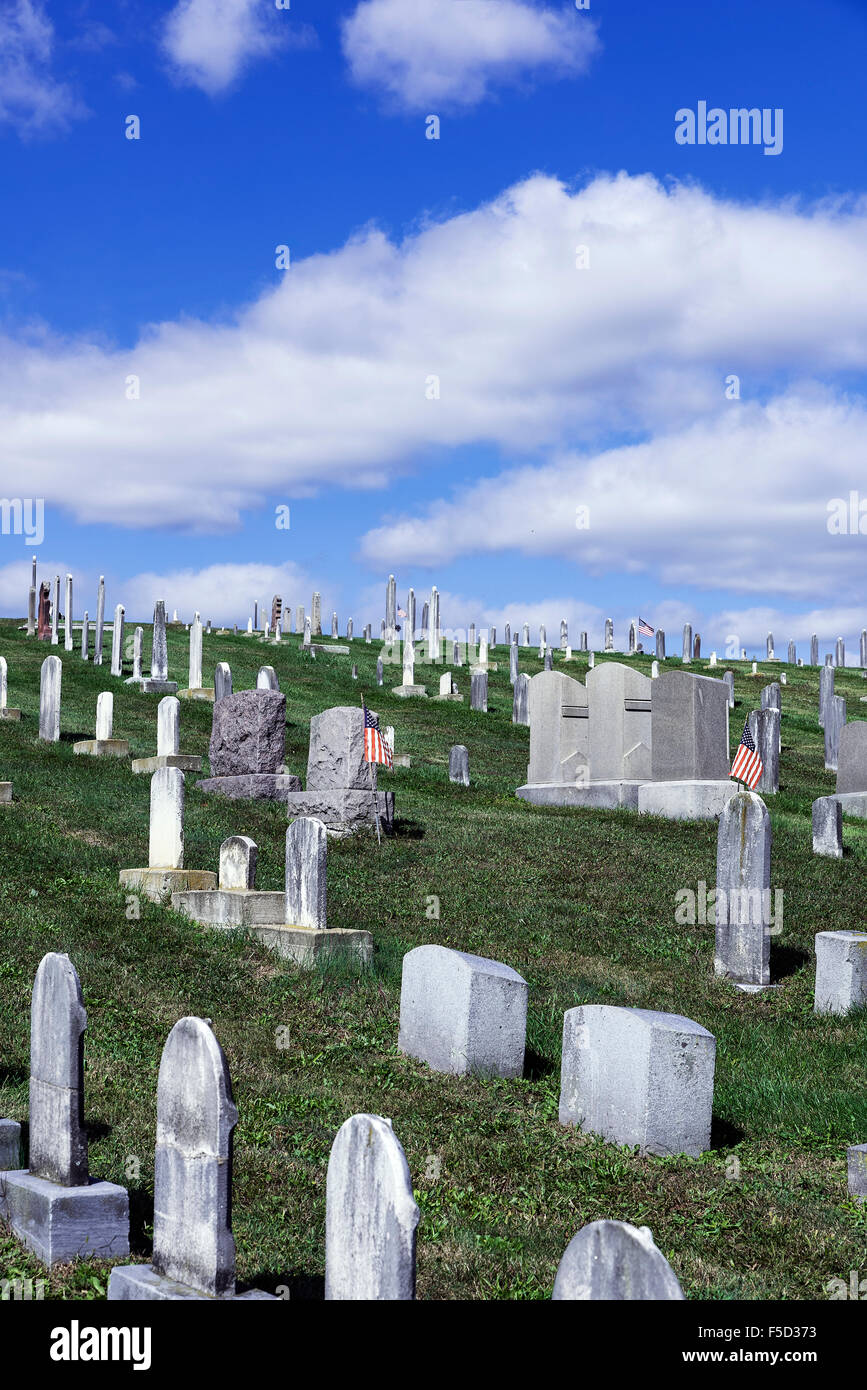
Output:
x=197 y=693
x=8 y=713
x=685 y=800
x=157 y=884
x=307 y=945
x=606 y=796
x=102 y=747
x=235 y=907
x=343 y=811
x=187 y=762
x=142 y=1283
x=65 y=1223
x=852 y=803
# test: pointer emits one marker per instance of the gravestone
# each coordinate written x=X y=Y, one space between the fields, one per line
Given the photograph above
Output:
x=507 y=636
x=316 y=615
x=696 y=647
x=408 y=688
x=49 y=699
x=526 y=635
x=158 y=682
x=686 y=652
x=852 y=758
x=266 y=679
x=771 y=696
x=235 y=901
x=743 y=892
x=521 y=700
x=841 y=971
x=100 y=622
x=6 y=712
x=117 y=641
x=826 y=692
x=835 y=720
x=341 y=786
x=828 y=827
x=85 y=636
x=769 y=647
x=549 y=660
x=862 y=651
x=276 y=612
x=434 y=630
x=729 y=678
x=564 y=634
x=247 y=748
x=765 y=730
x=165 y=872
x=370 y=1215
x=479 y=691
x=792 y=654
x=195 y=690
x=379 y=670
x=462 y=1014
x=390 y=609
x=103 y=745
x=619 y=713
x=814 y=650
x=632 y=639
x=660 y=644
x=513 y=663
x=459 y=765
x=137 y=646
x=635 y=1076
x=67 y=617
x=609 y=634
x=168 y=742
x=10 y=1131
x=856 y=1171
x=689 y=748
x=654 y=670
x=840 y=652
x=611 y=1260
x=193 y=1246
x=222 y=680
x=54 y=1206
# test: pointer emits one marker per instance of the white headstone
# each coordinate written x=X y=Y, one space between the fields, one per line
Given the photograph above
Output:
x=166 y=848
x=370 y=1215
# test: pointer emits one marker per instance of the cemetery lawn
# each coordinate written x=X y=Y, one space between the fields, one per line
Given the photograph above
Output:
x=581 y=903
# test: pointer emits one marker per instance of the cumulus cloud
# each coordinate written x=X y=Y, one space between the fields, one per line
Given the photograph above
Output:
x=211 y=42
x=441 y=54
x=32 y=100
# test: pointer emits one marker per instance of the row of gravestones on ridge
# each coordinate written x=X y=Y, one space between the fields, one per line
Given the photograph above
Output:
x=458 y=1012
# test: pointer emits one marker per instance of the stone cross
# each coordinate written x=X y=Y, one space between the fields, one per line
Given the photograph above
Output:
x=117 y=642
x=104 y=716
x=459 y=765
x=612 y=1260
x=100 y=622
x=743 y=891
x=166 y=846
x=67 y=617
x=370 y=1215
x=49 y=699
x=196 y=653
x=306 y=873
x=58 y=1140
x=193 y=1240
x=168 y=727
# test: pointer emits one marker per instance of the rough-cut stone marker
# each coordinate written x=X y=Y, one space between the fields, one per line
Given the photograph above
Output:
x=370 y=1215
x=638 y=1077
x=461 y=1013
x=10 y=1135
x=222 y=680
x=856 y=1165
x=765 y=731
x=828 y=827
x=54 y=1207
x=247 y=747
x=49 y=699
x=266 y=679
x=826 y=692
x=835 y=720
x=521 y=700
x=459 y=765
x=743 y=888
x=341 y=784
x=117 y=641
x=193 y=1249
x=611 y=1260
x=841 y=971
x=479 y=691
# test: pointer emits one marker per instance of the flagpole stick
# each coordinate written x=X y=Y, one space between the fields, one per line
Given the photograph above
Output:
x=372 y=785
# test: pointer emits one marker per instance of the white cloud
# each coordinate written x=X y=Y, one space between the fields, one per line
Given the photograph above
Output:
x=440 y=54
x=211 y=42
x=32 y=100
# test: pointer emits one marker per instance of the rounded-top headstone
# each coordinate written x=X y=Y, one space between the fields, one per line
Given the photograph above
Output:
x=371 y=1215
x=58 y=1140
x=612 y=1260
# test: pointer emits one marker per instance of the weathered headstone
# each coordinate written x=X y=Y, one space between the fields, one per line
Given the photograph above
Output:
x=841 y=971
x=266 y=679
x=521 y=700
x=828 y=827
x=769 y=647
x=49 y=699
x=55 y=613
x=729 y=678
x=341 y=784
x=609 y=634
x=635 y=1076
x=117 y=641
x=379 y=670
x=459 y=765
x=461 y=1013
x=316 y=615
x=765 y=730
x=743 y=892
x=85 y=636
x=686 y=652
x=660 y=644
x=513 y=662
x=689 y=748
x=6 y=712
x=852 y=758
x=222 y=680
x=696 y=647
x=247 y=747
x=826 y=692
x=67 y=616
x=370 y=1215
x=479 y=691
x=835 y=720
x=814 y=650
x=792 y=654
x=862 y=650
x=840 y=652
x=611 y=1260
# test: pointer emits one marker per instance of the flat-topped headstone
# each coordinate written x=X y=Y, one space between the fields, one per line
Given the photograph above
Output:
x=195 y=667
x=513 y=663
x=729 y=680
x=49 y=699
x=660 y=644
x=686 y=652
x=828 y=827
x=765 y=731
x=840 y=652
x=690 y=728
x=67 y=616
x=521 y=699
x=462 y=1014
x=10 y=1132
x=611 y=1260
x=168 y=726
x=222 y=680
x=826 y=692
x=117 y=641
x=166 y=839
x=814 y=650
x=479 y=691
x=743 y=891
x=370 y=1215
x=459 y=765
x=104 y=715
x=856 y=1171
x=5 y=711
x=635 y=1076
x=771 y=696
x=306 y=874
x=841 y=971
x=852 y=757
x=835 y=721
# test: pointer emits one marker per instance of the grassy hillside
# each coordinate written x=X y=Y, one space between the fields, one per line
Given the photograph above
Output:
x=582 y=903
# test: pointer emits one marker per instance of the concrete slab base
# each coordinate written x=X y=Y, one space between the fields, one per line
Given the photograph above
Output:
x=402 y=760
x=752 y=989
x=202 y=693
x=257 y=786
x=187 y=762
x=235 y=907
x=685 y=800
x=343 y=812
x=10 y=1143
x=307 y=945
x=158 y=884
x=5 y=793
x=152 y=687
x=329 y=647
x=448 y=697
x=407 y=691
x=856 y=1166
x=852 y=803
x=604 y=796
x=65 y=1223
x=102 y=747
x=141 y=1283
x=8 y=713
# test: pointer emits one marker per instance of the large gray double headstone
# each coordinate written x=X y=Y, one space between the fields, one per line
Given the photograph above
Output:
x=55 y=1207
x=743 y=892
x=611 y=1260
x=194 y=1249
x=689 y=764
x=559 y=730
x=341 y=788
x=638 y=1077
x=247 y=748
x=461 y=1013
x=370 y=1215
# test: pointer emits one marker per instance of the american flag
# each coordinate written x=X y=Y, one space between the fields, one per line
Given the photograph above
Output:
x=644 y=627
x=376 y=748
x=747 y=766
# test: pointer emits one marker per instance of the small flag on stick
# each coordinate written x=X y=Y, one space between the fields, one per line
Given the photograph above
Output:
x=747 y=766
x=644 y=627
x=376 y=748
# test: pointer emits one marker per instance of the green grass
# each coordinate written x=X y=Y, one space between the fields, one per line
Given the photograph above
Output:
x=581 y=903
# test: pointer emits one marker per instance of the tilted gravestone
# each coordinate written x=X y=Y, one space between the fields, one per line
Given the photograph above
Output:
x=341 y=788
x=370 y=1215
x=461 y=1013
x=638 y=1077
x=193 y=1249
x=247 y=748
x=54 y=1206
x=743 y=892
x=611 y=1260
x=841 y=971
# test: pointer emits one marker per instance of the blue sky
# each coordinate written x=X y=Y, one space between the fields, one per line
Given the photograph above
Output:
x=414 y=259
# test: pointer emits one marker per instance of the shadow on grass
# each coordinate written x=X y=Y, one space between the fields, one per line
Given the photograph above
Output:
x=14 y=1076
x=723 y=1134
x=536 y=1066
x=141 y=1220
x=787 y=960
x=305 y=1287
x=408 y=830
